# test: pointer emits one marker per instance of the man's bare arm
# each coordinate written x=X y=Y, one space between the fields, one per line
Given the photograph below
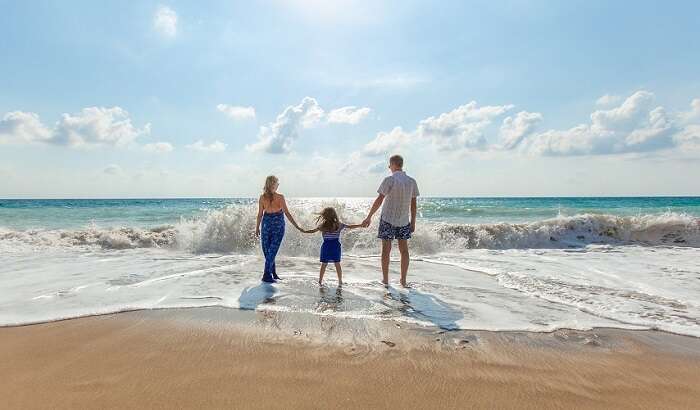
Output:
x=375 y=206
x=414 y=208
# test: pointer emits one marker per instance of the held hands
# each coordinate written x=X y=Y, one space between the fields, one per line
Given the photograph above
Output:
x=257 y=231
x=364 y=224
x=303 y=230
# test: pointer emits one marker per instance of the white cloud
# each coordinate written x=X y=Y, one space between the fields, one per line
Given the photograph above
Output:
x=387 y=142
x=350 y=164
x=22 y=127
x=113 y=170
x=97 y=126
x=378 y=167
x=279 y=136
x=91 y=126
x=458 y=130
x=579 y=140
x=515 y=130
x=608 y=99
x=627 y=115
x=313 y=113
x=216 y=146
x=689 y=137
x=236 y=112
x=695 y=104
x=348 y=115
x=461 y=128
x=693 y=114
x=165 y=21
x=635 y=126
x=158 y=147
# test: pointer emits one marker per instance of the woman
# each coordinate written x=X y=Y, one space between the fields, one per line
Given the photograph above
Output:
x=271 y=211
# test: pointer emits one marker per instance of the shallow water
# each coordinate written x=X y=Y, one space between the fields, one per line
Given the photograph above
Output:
x=517 y=264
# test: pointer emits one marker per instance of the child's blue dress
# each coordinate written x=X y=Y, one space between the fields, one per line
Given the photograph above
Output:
x=330 y=249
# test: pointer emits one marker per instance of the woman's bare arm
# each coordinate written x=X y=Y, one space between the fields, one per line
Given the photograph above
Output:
x=288 y=214
x=310 y=230
x=259 y=218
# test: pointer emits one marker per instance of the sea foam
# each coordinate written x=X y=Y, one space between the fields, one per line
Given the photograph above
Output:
x=232 y=230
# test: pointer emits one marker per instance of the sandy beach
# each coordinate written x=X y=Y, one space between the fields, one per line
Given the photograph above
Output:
x=223 y=358
x=349 y=204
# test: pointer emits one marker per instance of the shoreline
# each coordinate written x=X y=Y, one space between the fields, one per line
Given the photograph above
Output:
x=220 y=357
x=415 y=327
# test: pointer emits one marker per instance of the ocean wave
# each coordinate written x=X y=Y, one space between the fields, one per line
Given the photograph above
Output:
x=579 y=230
x=231 y=230
x=112 y=238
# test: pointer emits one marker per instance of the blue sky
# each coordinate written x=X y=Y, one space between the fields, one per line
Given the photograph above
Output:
x=152 y=99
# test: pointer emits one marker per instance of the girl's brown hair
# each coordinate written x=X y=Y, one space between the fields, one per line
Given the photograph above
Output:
x=328 y=221
x=270 y=182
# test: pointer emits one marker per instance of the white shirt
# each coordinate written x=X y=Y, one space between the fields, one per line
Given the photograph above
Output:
x=398 y=190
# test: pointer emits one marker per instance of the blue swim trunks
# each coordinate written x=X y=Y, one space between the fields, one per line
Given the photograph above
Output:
x=388 y=231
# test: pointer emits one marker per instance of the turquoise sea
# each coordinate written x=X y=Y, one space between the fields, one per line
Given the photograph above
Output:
x=70 y=213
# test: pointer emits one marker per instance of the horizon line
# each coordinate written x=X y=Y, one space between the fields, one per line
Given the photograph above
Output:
x=354 y=197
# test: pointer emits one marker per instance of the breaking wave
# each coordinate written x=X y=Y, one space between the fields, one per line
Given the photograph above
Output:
x=231 y=230
x=572 y=231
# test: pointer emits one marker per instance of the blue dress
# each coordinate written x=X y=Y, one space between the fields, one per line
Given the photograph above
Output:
x=271 y=234
x=330 y=249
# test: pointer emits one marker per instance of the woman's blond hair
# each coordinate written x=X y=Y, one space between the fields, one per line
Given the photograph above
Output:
x=270 y=182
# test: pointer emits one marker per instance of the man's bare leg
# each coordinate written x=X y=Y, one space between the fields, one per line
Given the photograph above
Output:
x=403 y=249
x=386 y=256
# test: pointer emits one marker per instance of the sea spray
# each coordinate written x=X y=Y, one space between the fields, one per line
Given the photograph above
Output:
x=232 y=230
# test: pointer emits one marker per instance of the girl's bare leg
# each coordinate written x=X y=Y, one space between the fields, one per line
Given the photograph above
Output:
x=339 y=271
x=320 y=274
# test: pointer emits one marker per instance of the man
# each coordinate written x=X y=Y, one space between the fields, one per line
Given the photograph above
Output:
x=398 y=193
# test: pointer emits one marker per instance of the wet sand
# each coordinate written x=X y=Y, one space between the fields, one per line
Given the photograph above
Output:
x=223 y=358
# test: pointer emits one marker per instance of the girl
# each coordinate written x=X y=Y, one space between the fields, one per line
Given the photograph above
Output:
x=330 y=227
x=271 y=211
